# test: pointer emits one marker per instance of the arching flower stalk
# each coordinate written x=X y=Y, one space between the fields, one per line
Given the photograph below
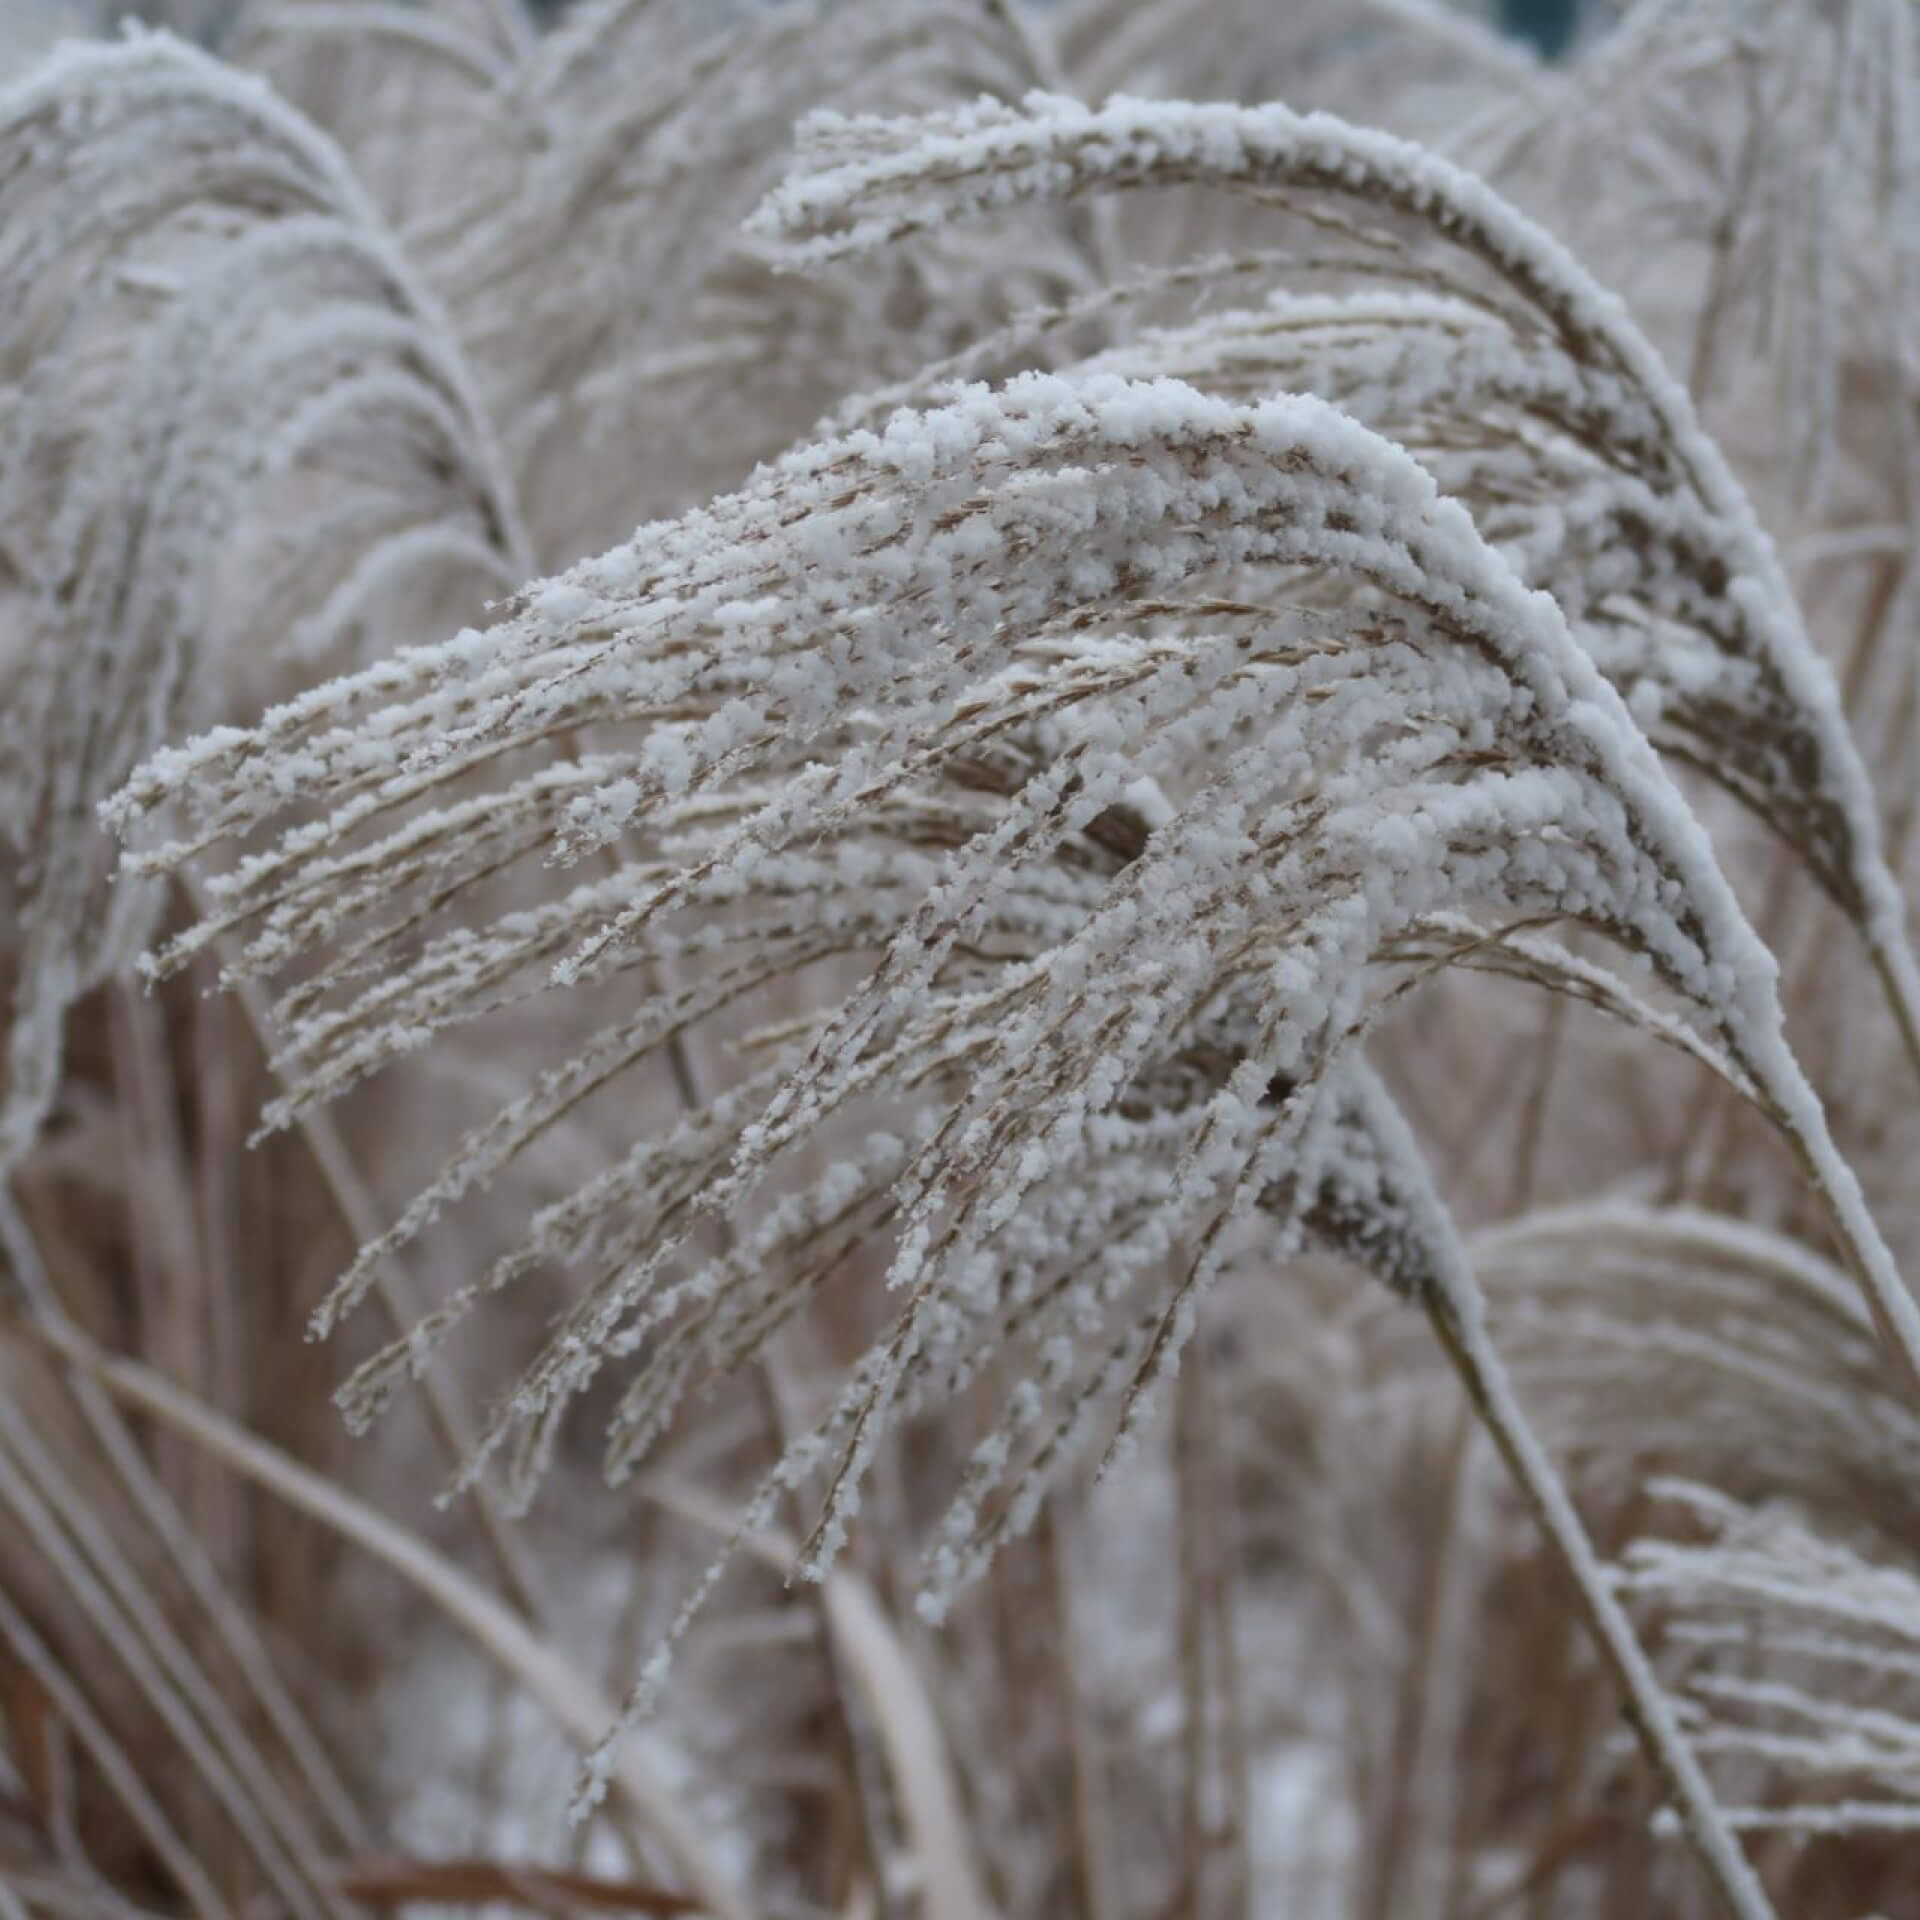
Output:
x=1375 y=1206
x=1037 y=718
x=204 y=334
x=1520 y=381
x=1652 y=1343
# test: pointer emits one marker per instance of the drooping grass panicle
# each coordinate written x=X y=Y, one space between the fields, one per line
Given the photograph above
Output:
x=1635 y=522
x=205 y=330
x=976 y=862
x=1450 y=749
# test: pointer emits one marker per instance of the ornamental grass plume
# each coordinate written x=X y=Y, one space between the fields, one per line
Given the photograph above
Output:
x=918 y=731
x=206 y=328
x=1123 y=581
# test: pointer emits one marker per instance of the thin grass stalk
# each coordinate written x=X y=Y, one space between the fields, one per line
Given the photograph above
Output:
x=570 y=1701
x=107 y=1594
x=251 y=1775
x=190 y=1559
x=1213 y=1736
x=1532 y=1123
x=164 y=1235
x=909 y=1728
x=217 y=1134
x=1387 y=1893
x=1895 y=1318
x=1190 y=1646
x=855 y=1741
x=1900 y=980
x=121 y=1775
x=361 y=1218
x=692 y=1085
x=1087 y=1763
x=1484 y=1377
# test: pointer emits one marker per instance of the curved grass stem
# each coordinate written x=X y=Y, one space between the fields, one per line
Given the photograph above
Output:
x=549 y=1679
x=1484 y=1377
